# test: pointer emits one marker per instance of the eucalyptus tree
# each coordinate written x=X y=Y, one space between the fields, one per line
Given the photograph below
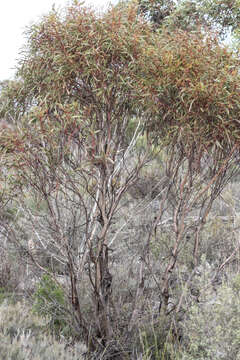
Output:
x=82 y=80
x=76 y=95
x=193 y=109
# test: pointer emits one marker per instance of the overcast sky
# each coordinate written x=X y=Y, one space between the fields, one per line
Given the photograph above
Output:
x=15 y=15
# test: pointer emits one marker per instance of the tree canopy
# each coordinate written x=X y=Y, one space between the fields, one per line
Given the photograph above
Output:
x=88 y=67
x=219 y=16
x=193 y=86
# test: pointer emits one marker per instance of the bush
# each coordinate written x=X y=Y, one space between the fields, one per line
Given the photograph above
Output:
x=212 y=329
x=50 y=303
x=22 y=337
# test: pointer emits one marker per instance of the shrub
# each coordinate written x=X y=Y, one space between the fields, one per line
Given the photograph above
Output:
x=212 y=329
x=50 y=303
x=22 y=337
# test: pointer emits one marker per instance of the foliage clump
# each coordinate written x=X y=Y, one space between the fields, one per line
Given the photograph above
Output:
x=49 y=301
x=193 y=89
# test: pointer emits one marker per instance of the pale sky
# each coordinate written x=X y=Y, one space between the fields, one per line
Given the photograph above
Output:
x=15 y=15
